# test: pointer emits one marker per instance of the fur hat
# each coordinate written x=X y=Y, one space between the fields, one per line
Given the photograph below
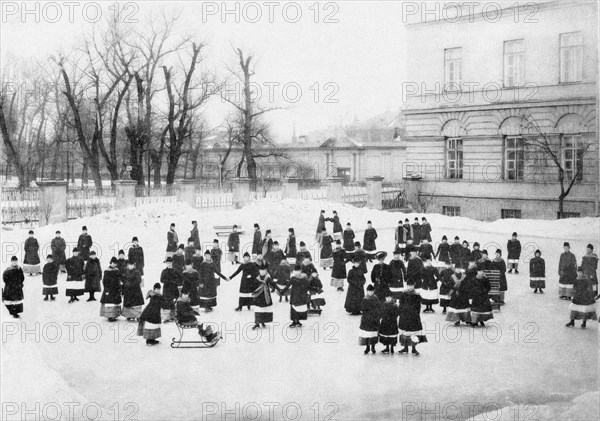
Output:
x=156 y=286
x=444 y=238
x=499 y=251
x=121 y=251
x=75 y=250
x=591 y=247
x=207 y=252
x=114 y=260
x=181 y=246
x=134 y=239
x=457 y=238
x=538 y=251
x=14 y=259
x=370 y=287
x=256 y=226
x=50 y=257
x=84 y=228
x=566 y=244
x=246 y=254
x=475 y=244
x=514 y=234
x=302 y=244
x=30 y=231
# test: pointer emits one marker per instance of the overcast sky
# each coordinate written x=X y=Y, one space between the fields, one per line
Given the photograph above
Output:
x=349 y=52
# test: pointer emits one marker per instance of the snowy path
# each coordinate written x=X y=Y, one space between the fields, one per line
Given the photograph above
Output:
x=526 y=356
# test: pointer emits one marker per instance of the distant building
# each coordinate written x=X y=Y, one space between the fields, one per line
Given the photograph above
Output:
x=474 y=83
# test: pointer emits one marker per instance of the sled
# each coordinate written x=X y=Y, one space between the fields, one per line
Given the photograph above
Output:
x=494 y=277
x=314 y=311
x=200 y=343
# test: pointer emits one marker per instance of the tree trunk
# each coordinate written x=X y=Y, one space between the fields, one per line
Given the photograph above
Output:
x=12 y=153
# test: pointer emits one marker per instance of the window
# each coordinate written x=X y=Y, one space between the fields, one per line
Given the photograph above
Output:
x=514 y=63
x=572 y=157
x=453 y=69
x=514 y=157
x=568 y=215
x=510 y=213
x=571 y=57
x=451 y=210
x=454 y=157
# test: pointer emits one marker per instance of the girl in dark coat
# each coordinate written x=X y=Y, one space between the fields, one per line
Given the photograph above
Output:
x=299 y=286
x=337 y=226
x=133 y=298
x=349 y=238
x=179 y=259
x=537 y=273
x=425 y=250
x=84 y=244
x=290 y=246
x=208 y=284
x=398 y=271
x=172 y=282
x=31 y=262
x=443 y=252
x=326 y=250
x=475 y=253
x=191 y=283
x=381 y=276
x=425 y=230
x=356 y=292
x=459 y=307
x=58 y=247
x=446 y=285
x=282 y=278
x=567 y=272
x=248 y=283
x=233 y=246
x=589 y=263
x=49 y=279
x=121 y=262
x=93 y=276
x=369 y=238
x=429 y=288
x=216 y=255
x=195 y=235
x=499 y=264
x=316 y=292
x=149 y=325
x=302 y=254
x=409 y=320
x=12 y=293
x=111 y=295
x=583 y=306
x=189 y=250
x=197 y=259
x=136 y=255
x=465 y=255
x=481 y=307
x=75 y=284
x=338 y=273
x=370 y=319
x=408 y=232
x=362 y=256
x=514 y=253
x=414 y=270
x=257 y=240
x=275 y=258
x=263 y=303
x=388 y=331
x=172 y=241
x=416 y=232
x=455 y=252
x=320 y=226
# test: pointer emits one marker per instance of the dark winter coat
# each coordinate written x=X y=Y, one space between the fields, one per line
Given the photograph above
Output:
x=426 y=251
x=389 y=319
x=262 y=293
x=93 y=275
x=132 y=289
x=32 y=256
x=136 y=255
x=369 y=239
x=233 y=242
x=74 y=266
x=84 y=244
x=349 y=236
x=363 y=257
x=208 y=283
x=122 y=265
x=256 y=242
x=484 y=264
x=320 y=224
x=111 y=283
x=171 y=280
x=443 y=253
x=58 y=247
x=249 y=274
x=431 y=277
x=459 y=297
x=216 y=254
x=50 y=274
x=290 y=246
x=195 y=236
x=172 y=241
x=398 y=270
x=381 y=277
x=370 y=308
x=191 y=284
x=400 y=234
x=414 y=271
x=409 y=318
x=426 y=231
x=309 y=269
x=567 y=268
x=446 y=281
x=283 y=273
x=299 y=286
x=455 y=253
x=188 y=253
x=178 y=262
x=537 y=268
x=583 y=292
x=589 y=262
x=408 y=232
x=197 y=260
x=356 y=291
x=337 y=227
x=274 y=260
x=301 y=255
x=185 y=312
x=475 y=255
x=514 y=249
x=13 y=279
x=416 y=233
x=151 y=313
x=339 y=264
x=266 y=247
x=326 y=249
x=500 y=264
x=480 y=289
x=465 y=255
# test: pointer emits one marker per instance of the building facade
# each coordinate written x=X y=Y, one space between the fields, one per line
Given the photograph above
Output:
x=495 y=103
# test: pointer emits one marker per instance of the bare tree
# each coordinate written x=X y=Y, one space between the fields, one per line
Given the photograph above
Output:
x=540 y=141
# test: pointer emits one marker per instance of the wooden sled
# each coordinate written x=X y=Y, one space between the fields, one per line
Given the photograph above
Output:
x=494 y=294
x=200 y=343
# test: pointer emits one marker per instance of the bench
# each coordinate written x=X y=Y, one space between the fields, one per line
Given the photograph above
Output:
x=225 y=230
x=494 y=277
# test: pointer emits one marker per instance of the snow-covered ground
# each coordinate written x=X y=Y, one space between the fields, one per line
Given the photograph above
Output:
x=62 y=359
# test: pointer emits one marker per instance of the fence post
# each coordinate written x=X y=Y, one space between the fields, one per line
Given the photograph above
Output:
x=290 y=189
x=241 y=192
x=187 y=192
x=374 y=196
x=53 y=202
x=125 y=194
x=334 y=189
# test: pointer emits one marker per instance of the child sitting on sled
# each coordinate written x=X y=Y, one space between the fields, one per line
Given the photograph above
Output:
x=186 y=316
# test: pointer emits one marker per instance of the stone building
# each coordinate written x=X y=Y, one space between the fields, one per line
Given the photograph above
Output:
x=481 y=88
